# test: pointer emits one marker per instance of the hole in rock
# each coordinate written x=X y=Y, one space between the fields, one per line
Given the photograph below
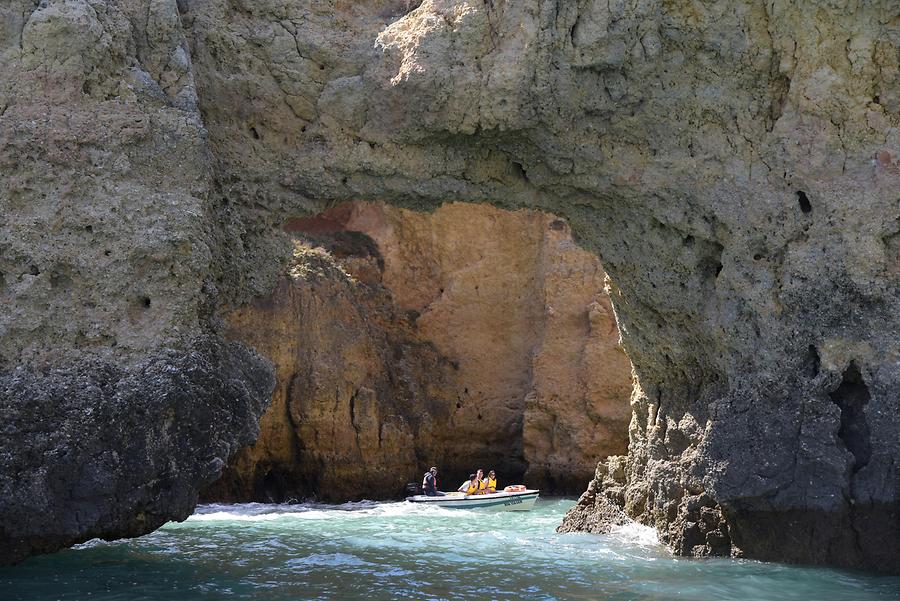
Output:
x=805 y=206
x=89 y=229
x=254 y=133
x=811 y=362
x=851 y=397
x=144 y=301
x=876 y=99
x=356 y=272
x=33 y=270
x=557 y=225
x=519 y=171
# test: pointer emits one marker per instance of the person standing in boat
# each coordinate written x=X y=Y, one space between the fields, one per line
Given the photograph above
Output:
x=429 y=484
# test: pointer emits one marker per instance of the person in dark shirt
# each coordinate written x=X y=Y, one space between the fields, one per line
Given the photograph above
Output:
x=429 y=483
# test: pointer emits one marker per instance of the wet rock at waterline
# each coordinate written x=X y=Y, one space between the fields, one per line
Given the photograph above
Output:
x=466 y=337
x=91 y=450
x=734 y=165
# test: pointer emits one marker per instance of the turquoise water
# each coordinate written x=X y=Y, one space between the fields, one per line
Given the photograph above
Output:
x=377 y=551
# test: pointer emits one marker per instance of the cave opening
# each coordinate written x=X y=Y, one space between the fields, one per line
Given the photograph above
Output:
x=852 y=396
x=493 y=323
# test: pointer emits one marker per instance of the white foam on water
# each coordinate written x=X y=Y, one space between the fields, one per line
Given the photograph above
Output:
x=636 y=534
x=261 y=512
x=328 y=560
x=94 y=542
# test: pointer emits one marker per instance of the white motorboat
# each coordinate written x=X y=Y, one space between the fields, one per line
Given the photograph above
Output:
x=506 y=501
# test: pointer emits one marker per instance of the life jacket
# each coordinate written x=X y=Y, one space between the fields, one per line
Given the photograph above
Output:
x=482 y=484
x=426 y=486
x=492 y=483
x=473 y=487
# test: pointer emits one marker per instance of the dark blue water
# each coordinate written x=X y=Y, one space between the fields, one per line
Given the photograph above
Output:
x=399 y=551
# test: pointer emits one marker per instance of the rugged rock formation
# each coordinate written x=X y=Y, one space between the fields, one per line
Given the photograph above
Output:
x=734 y=165
x=470 y=336
x=118 y=401
x=93 y=450
x=356 y=391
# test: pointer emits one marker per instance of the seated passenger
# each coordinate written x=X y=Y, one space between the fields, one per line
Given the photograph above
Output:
x=470 y=486
x=491 y=482
x=482 y=483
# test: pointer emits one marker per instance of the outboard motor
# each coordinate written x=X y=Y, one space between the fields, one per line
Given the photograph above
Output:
x=413 y=489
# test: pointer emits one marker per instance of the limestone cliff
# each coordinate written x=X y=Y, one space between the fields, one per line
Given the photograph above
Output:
x=119 y=400
x=470 y=336
x=357 y=394
x=734 y=165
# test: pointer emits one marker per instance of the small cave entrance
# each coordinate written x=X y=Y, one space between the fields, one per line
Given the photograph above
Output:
x=441 y=339
x=852 y=396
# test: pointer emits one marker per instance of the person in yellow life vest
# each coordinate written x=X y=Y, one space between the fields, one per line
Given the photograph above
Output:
x=470 y=486
x=482 y=482
x=491 y=482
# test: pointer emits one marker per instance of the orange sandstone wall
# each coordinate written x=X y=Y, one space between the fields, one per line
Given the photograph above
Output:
x=471 y=336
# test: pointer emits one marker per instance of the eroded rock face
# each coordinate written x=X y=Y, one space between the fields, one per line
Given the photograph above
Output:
x=522 y=311
x=94 y=450
x=357 y=393
x=734 y=165
x=118 y=400
x=468 y=337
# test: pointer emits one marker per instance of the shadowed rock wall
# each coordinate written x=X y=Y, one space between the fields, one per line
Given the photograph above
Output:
x=734 y=165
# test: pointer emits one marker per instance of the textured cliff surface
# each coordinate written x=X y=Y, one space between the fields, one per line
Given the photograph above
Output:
x=468 y=337
x=118 y=401
x=356 y=396
x=521 y=311
x=735 y=165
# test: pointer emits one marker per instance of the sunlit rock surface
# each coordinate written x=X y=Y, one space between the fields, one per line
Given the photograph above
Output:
x=468 y=337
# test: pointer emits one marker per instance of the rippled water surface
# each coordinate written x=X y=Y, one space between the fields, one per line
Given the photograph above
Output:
x=379 y=551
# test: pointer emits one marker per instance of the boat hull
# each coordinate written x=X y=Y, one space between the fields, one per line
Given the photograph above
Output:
x=502 y=501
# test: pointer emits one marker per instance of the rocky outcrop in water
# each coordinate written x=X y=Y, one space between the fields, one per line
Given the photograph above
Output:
x=118 y=400
x=470 y=336
x=94 y=455
x=734 y=165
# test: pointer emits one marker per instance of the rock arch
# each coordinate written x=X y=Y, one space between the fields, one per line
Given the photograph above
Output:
x=673 y=137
